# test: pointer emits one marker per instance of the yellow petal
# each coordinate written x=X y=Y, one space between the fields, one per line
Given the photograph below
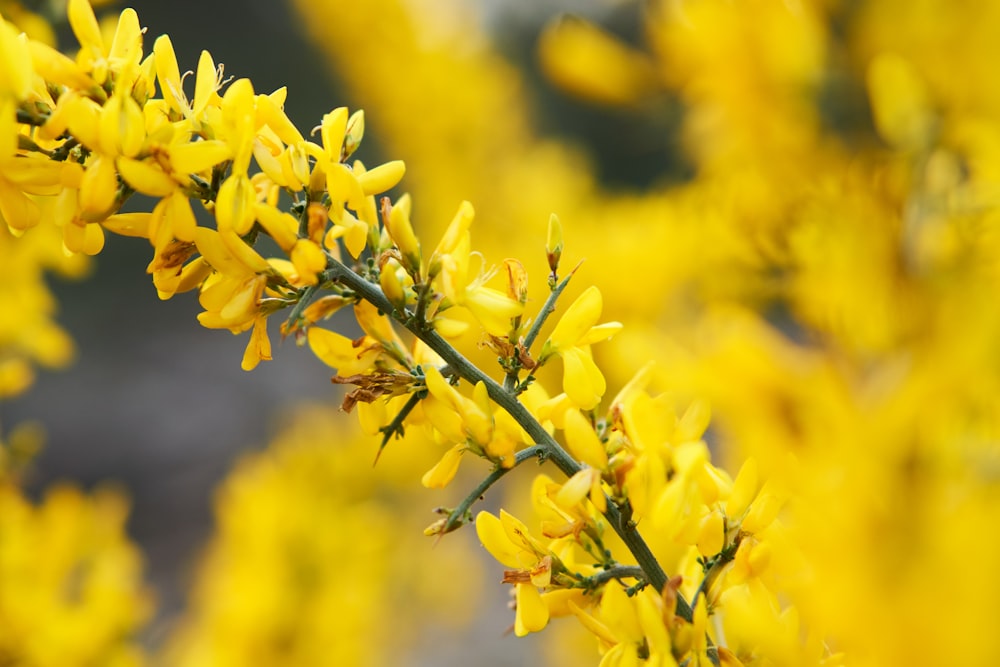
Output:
x=332 y=349
x=443 y=417
x=450 y=329
x=582 y=441
x=343 y=187
x=126 y=46
x=583 y=381
x=444 y=471
x=16 y=208
x=180 y=216
x=619 y=613
x=206 y=83
x=401 y=231
x=84 y=25
x=711 y=534
x=439 y=387
x=15 y=63
x=275 y=118
x=98 y=188
x=280 y=226
x=381 y=178
x=82 y=117
x=309 y=260
x=259 y=347
x=694 y=422
x=145 y=177
x=87 y=239
x=575 y=489
x=354 y=132
x=744 y=490
x=198 y=156
x=56 y=67
x=599 y=629
x=492 y=309
x=332 y=131
x=128 y=224
x=221 y=256
x=900 y=102
x=494 y=538
x=652 y=623
x=600 y=332
x=234 y=205
x=168 y=73
x=353 y=231
x=456 y=229
x=577 y=320
x=532 y=613
x=122 y=126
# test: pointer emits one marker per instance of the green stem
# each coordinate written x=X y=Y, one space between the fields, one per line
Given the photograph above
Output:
x=306 y=296
x=548 y=308
x=617 y=572
x=395 y=427
x=455 y=518
x=468 y=371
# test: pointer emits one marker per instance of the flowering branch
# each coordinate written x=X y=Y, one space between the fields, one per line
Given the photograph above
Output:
x=469 y=372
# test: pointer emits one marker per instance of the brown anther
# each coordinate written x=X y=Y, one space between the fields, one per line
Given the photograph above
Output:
x=516 y=577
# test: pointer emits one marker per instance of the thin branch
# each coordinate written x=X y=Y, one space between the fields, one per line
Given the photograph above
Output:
x=395 y=427
x=616 y=572
x=547 y=309
x=305 y=297
x=455 y=518
x=655 y=575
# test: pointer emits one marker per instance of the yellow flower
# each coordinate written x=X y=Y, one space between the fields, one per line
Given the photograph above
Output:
x=571 y=338
x=347 y=356
x=509 y=541
x=583 y=442
x=451 y=269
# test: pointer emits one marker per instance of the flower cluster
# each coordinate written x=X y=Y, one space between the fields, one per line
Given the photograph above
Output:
x=80 y=136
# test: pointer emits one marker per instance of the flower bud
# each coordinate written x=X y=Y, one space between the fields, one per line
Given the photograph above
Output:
x=554 y=244
x=355 y=131
x=401 y=231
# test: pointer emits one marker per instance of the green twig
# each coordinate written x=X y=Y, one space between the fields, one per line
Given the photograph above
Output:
x=548 y=308
x=395 y=427
x=468 y=371
x=305 y=297
x=616 y=572
x=456 y=515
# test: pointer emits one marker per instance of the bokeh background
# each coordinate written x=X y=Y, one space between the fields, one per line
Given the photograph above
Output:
x=791 y=205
